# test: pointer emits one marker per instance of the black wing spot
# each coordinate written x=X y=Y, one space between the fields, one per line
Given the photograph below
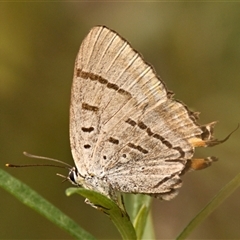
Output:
x=113 y=140
x=90 y=129
x=86 y=146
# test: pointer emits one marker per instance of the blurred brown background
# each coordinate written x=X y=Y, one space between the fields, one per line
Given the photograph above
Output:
x=195 y=47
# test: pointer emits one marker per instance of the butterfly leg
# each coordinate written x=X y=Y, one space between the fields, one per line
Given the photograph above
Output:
x=97 y=206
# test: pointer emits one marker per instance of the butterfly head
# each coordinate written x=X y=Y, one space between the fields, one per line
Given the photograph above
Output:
x=75 y=177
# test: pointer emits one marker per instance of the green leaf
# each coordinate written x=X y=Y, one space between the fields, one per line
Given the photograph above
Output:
x=140 y=214
x=33 y=200
x=222 y=195
x=118 y=216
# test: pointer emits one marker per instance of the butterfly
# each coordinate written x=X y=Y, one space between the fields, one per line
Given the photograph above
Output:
x=127 y=132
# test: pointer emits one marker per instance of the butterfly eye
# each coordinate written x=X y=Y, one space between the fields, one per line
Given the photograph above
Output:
x=72 y=176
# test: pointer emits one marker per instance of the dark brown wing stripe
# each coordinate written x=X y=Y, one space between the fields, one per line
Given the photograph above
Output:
x=89 y=107
x=137 y=147
x=94 y=77
x=131 y=122
x=143 y=126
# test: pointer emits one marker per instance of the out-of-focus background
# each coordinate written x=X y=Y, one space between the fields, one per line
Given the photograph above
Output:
x=195 y=48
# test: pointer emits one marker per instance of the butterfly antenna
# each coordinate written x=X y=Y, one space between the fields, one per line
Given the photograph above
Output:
x=37 y=165
x=46 y=158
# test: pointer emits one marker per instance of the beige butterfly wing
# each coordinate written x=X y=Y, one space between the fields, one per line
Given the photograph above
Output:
x=126 y=131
